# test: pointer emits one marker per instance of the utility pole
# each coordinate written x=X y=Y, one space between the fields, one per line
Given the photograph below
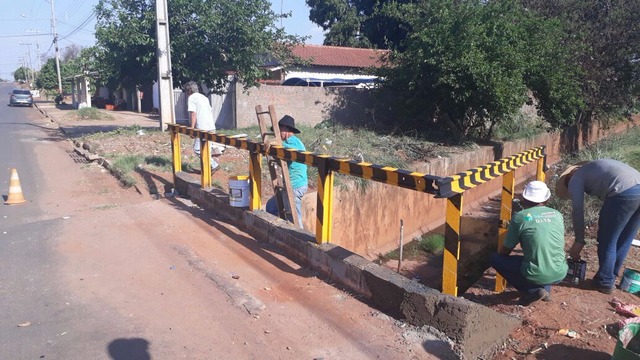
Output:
x=55 y=43
x=37 y=49
x=29 y=62
x=165 y=79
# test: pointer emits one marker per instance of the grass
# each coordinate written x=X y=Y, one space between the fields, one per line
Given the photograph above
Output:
x=432 y=243
x=426 y=244
x=91 y=113
x=124 y=166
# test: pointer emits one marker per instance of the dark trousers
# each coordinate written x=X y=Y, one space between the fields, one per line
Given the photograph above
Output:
x=509 y=268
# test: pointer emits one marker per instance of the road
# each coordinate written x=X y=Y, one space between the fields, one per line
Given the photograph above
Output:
x=89 y=270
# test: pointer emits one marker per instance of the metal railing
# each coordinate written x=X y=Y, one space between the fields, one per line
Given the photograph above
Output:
x=452 y=187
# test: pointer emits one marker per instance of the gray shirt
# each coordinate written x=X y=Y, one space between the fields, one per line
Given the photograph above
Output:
x=603 y=178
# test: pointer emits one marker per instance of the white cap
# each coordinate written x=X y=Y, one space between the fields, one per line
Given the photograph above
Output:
x=536 y=192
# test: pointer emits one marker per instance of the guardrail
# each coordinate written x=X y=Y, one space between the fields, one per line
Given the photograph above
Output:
x=327 y=165
x=451 y=187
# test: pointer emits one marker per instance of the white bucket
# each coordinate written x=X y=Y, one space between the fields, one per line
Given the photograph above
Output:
x=239 y=191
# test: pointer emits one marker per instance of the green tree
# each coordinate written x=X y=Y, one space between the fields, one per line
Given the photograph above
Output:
x=605 y=36
x=468 y=65
x=22 y=73
x=360 y=23
x=47 y=77
x=71 y=65
x=209 y=38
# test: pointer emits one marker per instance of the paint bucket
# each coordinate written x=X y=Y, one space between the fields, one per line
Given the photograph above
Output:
x=576 y=272
x=239 y=191
x=630 y=281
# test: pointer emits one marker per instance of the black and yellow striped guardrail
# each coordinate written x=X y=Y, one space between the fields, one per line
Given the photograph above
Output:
x=327 y=165
x=454 y=186
x=451 y=187
x=458 y=183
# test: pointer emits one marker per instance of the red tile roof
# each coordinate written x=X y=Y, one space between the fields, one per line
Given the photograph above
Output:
x=321 y=55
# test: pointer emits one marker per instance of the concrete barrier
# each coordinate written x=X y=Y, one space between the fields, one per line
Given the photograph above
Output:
x=475 y=329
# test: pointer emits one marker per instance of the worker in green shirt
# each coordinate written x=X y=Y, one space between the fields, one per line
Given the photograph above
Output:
x=540 y=232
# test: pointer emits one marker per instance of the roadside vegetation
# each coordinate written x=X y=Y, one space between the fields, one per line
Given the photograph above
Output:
x=89 y=113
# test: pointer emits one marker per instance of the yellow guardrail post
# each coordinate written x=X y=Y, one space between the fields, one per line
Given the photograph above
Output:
x=452 y=245
x=205 y=163
x=506 y=201
x=255 y=180
x=175 y=152
x=540 y=175
x=324 y=211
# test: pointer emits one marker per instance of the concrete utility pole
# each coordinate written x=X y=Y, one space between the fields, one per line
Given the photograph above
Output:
x=55 y=43
x=30 y=66
x=37 y=49
x=165 y=79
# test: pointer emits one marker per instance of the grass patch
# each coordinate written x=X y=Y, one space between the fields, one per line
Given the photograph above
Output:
x=124 y=166
x=426 y=245
x=432 y=243
x=91 y=113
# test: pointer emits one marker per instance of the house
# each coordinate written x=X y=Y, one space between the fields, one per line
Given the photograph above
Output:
x=325 y=66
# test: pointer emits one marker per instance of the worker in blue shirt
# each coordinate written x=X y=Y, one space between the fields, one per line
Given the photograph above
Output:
x=297 y=171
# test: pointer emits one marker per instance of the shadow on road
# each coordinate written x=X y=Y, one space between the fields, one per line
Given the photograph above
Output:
x=129 y=349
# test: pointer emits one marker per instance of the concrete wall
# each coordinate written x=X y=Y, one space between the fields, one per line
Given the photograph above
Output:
x=308 y=105
x=368 y=223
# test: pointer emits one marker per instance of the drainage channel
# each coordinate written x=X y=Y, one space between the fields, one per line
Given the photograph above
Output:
x=77 y=158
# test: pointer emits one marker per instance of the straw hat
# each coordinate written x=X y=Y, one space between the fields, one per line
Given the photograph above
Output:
x=562 y=186
x=536 y=192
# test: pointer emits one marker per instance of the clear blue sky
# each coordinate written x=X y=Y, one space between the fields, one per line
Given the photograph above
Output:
x=29 y=22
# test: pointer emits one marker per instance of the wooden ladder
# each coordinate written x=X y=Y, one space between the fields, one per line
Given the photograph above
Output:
x=278 y=168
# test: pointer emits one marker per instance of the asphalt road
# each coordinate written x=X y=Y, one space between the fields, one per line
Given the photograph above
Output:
x=89 y=270
x=38 y=310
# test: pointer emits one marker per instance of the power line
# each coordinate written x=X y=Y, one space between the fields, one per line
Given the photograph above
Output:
x=24 y=35
x=79 y=27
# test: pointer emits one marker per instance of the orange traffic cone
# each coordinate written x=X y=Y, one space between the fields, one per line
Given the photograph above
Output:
x=15 y=190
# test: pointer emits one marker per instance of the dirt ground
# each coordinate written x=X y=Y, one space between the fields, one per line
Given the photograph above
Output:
x=589 y=313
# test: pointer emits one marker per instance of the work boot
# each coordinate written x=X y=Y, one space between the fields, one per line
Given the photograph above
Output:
x=530 y=298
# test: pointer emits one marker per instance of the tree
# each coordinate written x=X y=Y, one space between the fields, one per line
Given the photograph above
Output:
x=209 y=38
x=360 y=23
x=72 y=64
x=605 y=37
x=22 y=73
x=468 y=65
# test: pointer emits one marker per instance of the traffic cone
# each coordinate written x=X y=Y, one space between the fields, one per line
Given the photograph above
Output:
x=15 y=190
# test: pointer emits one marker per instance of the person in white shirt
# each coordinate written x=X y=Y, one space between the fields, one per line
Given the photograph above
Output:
x=201 y=118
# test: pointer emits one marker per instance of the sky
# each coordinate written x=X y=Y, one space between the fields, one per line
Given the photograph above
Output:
x=26 y=32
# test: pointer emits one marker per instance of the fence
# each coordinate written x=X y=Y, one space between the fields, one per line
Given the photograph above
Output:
x=451 y=187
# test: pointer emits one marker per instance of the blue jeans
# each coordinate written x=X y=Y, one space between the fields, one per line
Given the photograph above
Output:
x=509 y=268
x=617 y=226
x=298 y=193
